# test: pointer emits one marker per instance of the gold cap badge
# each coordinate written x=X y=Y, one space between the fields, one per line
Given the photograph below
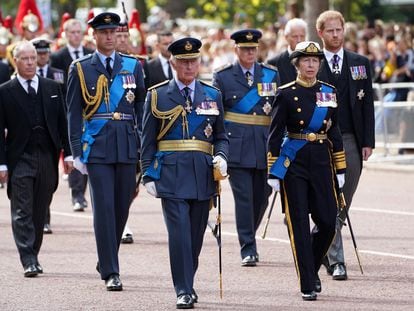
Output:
x=188 y=46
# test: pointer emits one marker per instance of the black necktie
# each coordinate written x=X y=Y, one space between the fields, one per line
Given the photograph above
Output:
x=187 y=97
x=170 y=75
x=41 y=72
x=108 y=66
x=335 y=65
x=76 y=54
x=249 y=78
x=30 y=89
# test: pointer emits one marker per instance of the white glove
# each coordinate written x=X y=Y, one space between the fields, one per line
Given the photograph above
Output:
x=220 y=163
x=274 y=183
x=150 y=186
x=80 y=166
x=341 y=180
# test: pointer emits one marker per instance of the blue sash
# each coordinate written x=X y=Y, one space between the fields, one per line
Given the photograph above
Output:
x=252 y=97
x=93 y=127
x=291 y=146
x=194 y=121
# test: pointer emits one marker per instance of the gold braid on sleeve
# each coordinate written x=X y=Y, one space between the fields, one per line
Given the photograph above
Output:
x=168 y=116
x=93 y=101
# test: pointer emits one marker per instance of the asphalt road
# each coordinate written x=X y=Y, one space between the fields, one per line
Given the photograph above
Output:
x=382 y=216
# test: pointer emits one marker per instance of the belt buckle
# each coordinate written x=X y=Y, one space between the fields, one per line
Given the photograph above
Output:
x=310 y=136
x=116 y=116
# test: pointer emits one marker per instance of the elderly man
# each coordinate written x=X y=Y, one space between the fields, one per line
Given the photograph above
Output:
x=183 y=136
x=32 y=110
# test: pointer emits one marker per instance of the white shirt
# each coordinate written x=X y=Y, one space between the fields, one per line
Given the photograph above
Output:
x=34 y=84
x=44 y=68
x=72 y=51
x=329 y=57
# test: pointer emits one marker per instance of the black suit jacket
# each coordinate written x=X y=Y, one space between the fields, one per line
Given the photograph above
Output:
x=14 y=117
x=361 y=98
x=156 y=74
x=61 y=59
x=287 y=72
x=4 y=73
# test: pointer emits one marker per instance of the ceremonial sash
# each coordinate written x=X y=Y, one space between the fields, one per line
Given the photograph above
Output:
x=252 y=97
x=93 y=126
x=194 y=121
x=291 y=146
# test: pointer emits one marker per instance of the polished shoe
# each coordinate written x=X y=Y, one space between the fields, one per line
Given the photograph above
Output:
x=339 y=272
x=309 y=295
x=185 y=302
x=256 y=257
x=78 y=207
x=31 y=271
x=318 y=284
x=97 y=267
x=127 y=239
x=249 y=261
x=194 y=296
x=39 y=268
x=84 y=204
x=47 y=229
x=113 y=283
x=329 y=268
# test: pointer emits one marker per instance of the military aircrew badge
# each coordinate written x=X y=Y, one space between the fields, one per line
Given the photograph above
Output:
x=324 y=99
x=208 y=107
x=208 y=130
x=358 y=72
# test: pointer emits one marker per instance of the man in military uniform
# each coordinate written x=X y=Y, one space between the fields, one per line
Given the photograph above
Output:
x=248 y=90
x=183 y=136
x=105 y=98
x=350 y=73
x=44 y=70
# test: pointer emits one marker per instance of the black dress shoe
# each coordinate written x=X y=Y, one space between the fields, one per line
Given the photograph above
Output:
x=113 y=283
x=339 y=272
x=97 y=267
x=30 y=271
x=309 y=295
x=329 y=268
x=256 y=257
x=249 y=261
x=47 y=229
x=194 y=296
x=127 y=239
x=318 y=284
x=185 y=302
x=39 y=268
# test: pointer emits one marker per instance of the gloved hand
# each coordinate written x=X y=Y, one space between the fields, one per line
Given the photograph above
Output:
x=150 y=186
x=220 y=163
x=274 y=183
x=80 y=166
x=341 y=180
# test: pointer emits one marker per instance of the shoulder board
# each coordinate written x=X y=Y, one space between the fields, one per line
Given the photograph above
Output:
x=126 y=55
x=209 y=85
x=330 y=85
x=284 y=86
x=268 y=66
x=83 y=58
x=224 y=67
x=140 y=57
x=158 y=85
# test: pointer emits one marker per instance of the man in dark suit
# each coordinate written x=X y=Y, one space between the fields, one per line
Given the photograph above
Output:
x=248 y=90
x=42 y=46
x=177 y=160
x=295 y=32
x=105 y=98
x=4 y=73
x=32 y=111
x=159 y=68
x=62 y=59
x=350 y=73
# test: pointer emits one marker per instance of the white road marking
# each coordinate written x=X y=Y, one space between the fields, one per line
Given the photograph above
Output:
x=381 y=211
x=386 y=254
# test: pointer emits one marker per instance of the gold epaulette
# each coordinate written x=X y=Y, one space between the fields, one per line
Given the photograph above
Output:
x=158 y=85
x=224 y=67
x=330 y=85
x=339 y=160
x=268 y=66
x=284 y=86
x=270 y=161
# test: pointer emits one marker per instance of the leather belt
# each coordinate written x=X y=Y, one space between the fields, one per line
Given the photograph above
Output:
x=185 y=145
x=250 y=119
x=308 y=136
x=118 y=116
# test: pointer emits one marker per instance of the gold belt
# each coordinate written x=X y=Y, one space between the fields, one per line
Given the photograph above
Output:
x=185 y=145
x=250 y=119
x=308 y=136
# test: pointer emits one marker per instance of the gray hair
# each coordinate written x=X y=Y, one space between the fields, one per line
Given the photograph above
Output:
x=294 y=22
x=23 y=46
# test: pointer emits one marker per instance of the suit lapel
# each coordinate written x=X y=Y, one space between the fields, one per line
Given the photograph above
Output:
x=258 y=74
x=174 y=93
x=199 y=94
x=18 y=92
x=117 y=64
x=239 y=76
x=96 y=62
x=349 y=60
